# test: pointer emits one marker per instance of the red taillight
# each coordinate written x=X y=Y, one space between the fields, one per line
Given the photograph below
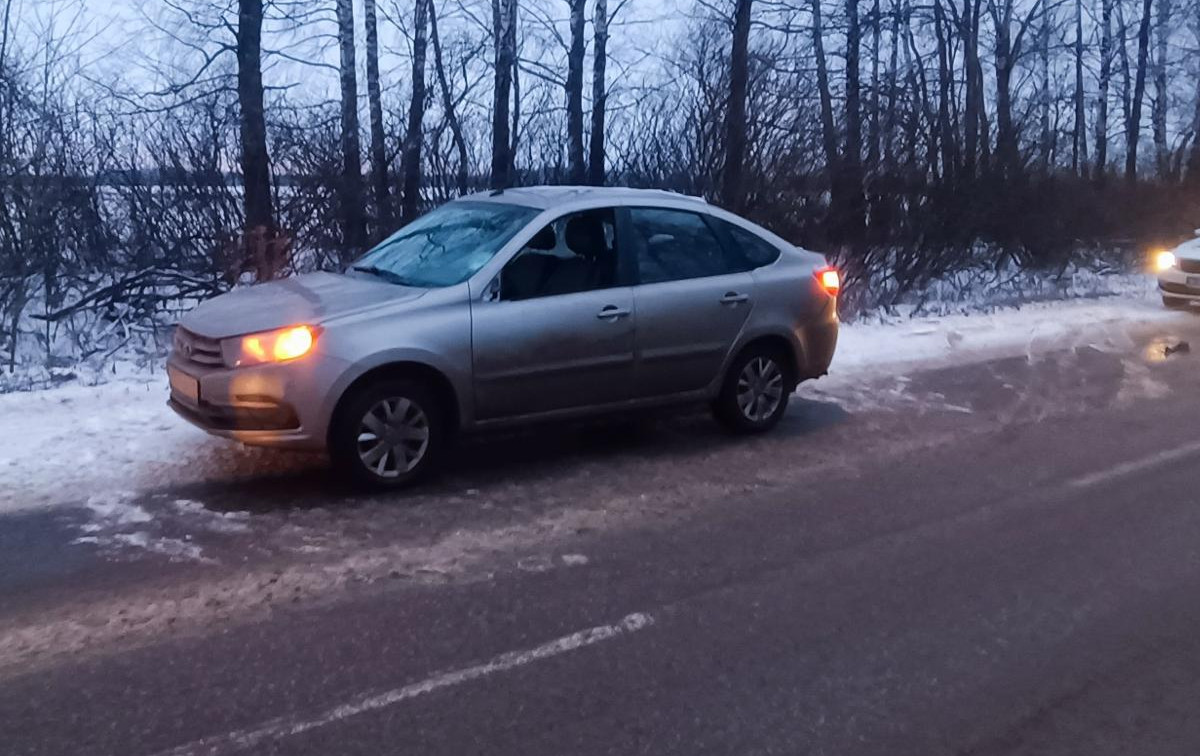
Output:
x=830 y=280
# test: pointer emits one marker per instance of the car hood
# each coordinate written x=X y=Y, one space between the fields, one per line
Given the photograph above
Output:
x=311 y=299
x=1189 y=250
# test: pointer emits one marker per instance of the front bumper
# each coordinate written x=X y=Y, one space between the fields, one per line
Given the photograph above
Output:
x=266 y=405
x=1177 y=284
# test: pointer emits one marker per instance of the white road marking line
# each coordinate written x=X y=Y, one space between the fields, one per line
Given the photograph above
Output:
x=1134 y=466
x=282 y=727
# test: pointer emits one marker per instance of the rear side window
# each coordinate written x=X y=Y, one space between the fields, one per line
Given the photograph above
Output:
x=756 y=250
x=675 y=245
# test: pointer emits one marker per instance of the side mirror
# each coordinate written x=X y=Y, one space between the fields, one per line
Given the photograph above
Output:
x=543 y=240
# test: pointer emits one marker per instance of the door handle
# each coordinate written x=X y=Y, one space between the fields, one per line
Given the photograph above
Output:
x=612 y=312
x=732 y=297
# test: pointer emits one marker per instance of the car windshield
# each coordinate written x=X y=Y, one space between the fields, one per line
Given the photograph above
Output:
x=446 y=246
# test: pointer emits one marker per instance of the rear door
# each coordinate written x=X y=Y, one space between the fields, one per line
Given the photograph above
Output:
x=559 y=332
x=692 y=299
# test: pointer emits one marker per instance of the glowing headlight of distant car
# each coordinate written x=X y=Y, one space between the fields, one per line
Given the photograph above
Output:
x=1164 y=260
x=269 y=346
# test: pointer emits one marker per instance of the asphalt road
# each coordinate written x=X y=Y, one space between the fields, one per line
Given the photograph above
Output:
x=995 y=559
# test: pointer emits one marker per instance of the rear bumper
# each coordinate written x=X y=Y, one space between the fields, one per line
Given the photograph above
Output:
x=818 y=340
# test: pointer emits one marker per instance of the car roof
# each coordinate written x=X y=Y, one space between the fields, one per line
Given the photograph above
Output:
x=546 y=197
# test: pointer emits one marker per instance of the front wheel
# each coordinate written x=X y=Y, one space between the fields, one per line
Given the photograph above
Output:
x=1175 y=303
x=389 y=435
x=756 y=391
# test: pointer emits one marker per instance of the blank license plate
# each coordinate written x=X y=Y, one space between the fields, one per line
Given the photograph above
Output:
x=184 y=386
x=1193 y=282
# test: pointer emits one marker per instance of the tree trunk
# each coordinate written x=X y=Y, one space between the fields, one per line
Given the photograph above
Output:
x=577 y=171
x=456 y=132
x=852 y=173
x=1134 y=124
x=947 y=136
x=1192 y=176
x=973 y=110
x=1079 y=150
x=889 y=127
x=1006 y=138
x=829 y=137
x=256 y=169
x=873 y=129
x=504 y=56
x=415 y=135
x=599 y=94
x=735 y=116
x=379 y=162
x=1159 y=114
x=1103 y=86
x=353 y=229
x=515 y=130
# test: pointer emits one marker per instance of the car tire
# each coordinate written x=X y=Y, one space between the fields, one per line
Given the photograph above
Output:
x=1175 y=303
x=389 y=434
x=756 y=390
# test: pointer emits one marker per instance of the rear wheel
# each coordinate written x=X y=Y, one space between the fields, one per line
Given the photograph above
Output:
x=390 y=434
x=756 y=391
x=1175 y=303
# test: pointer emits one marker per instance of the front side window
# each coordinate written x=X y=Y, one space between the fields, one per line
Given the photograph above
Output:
x=446 y=246
x=675 y=245
x=577 y=252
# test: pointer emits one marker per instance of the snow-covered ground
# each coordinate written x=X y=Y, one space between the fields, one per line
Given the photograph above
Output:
x=96 y=444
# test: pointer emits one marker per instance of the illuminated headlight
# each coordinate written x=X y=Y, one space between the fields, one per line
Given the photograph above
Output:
x=1164 y=260
x=283 y=345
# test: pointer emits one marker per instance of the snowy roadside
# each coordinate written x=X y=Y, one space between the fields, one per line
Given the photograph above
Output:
x=77 y=443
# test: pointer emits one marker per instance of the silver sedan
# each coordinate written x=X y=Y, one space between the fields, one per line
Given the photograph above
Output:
x=505 y=309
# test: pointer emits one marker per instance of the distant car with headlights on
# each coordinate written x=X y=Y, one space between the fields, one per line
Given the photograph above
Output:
x=504 y=309
x=1178 y=272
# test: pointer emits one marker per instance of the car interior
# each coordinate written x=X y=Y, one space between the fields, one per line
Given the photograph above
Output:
x=572 y=254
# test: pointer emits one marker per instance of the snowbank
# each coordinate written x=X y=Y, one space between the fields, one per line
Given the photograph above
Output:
x=70 y=444
x=66 y=445
x=893 y=342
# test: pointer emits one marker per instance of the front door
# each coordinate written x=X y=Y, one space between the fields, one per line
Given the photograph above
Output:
x=559 y=332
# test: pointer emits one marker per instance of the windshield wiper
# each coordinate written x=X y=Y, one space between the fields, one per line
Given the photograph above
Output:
x=383 y=273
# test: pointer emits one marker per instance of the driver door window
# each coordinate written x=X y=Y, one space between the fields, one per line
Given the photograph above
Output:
x=575 y=253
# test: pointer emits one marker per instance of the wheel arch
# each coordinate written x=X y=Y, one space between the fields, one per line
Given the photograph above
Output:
x=790 y=348
x=427 y=374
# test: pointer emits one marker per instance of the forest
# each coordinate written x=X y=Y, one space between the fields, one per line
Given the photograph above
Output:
x=155 y=153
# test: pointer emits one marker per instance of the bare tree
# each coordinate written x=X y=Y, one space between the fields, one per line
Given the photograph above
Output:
x=829 y=136
x=379 y=161
x=577 y=171
x=1103 y=86
x=353 y=224
x=1134 y=121
x=256 y=169
x=735 y=116
x=1158 y=114
x=505 y=54
x=851 y=168
x=416 y=115
x=1193 y=162
x=1079 y=150
x=599 y=94
x=448 y=104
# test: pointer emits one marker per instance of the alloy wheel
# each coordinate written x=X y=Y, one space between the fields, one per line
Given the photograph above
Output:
x=759 y=389
x=393 y=437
